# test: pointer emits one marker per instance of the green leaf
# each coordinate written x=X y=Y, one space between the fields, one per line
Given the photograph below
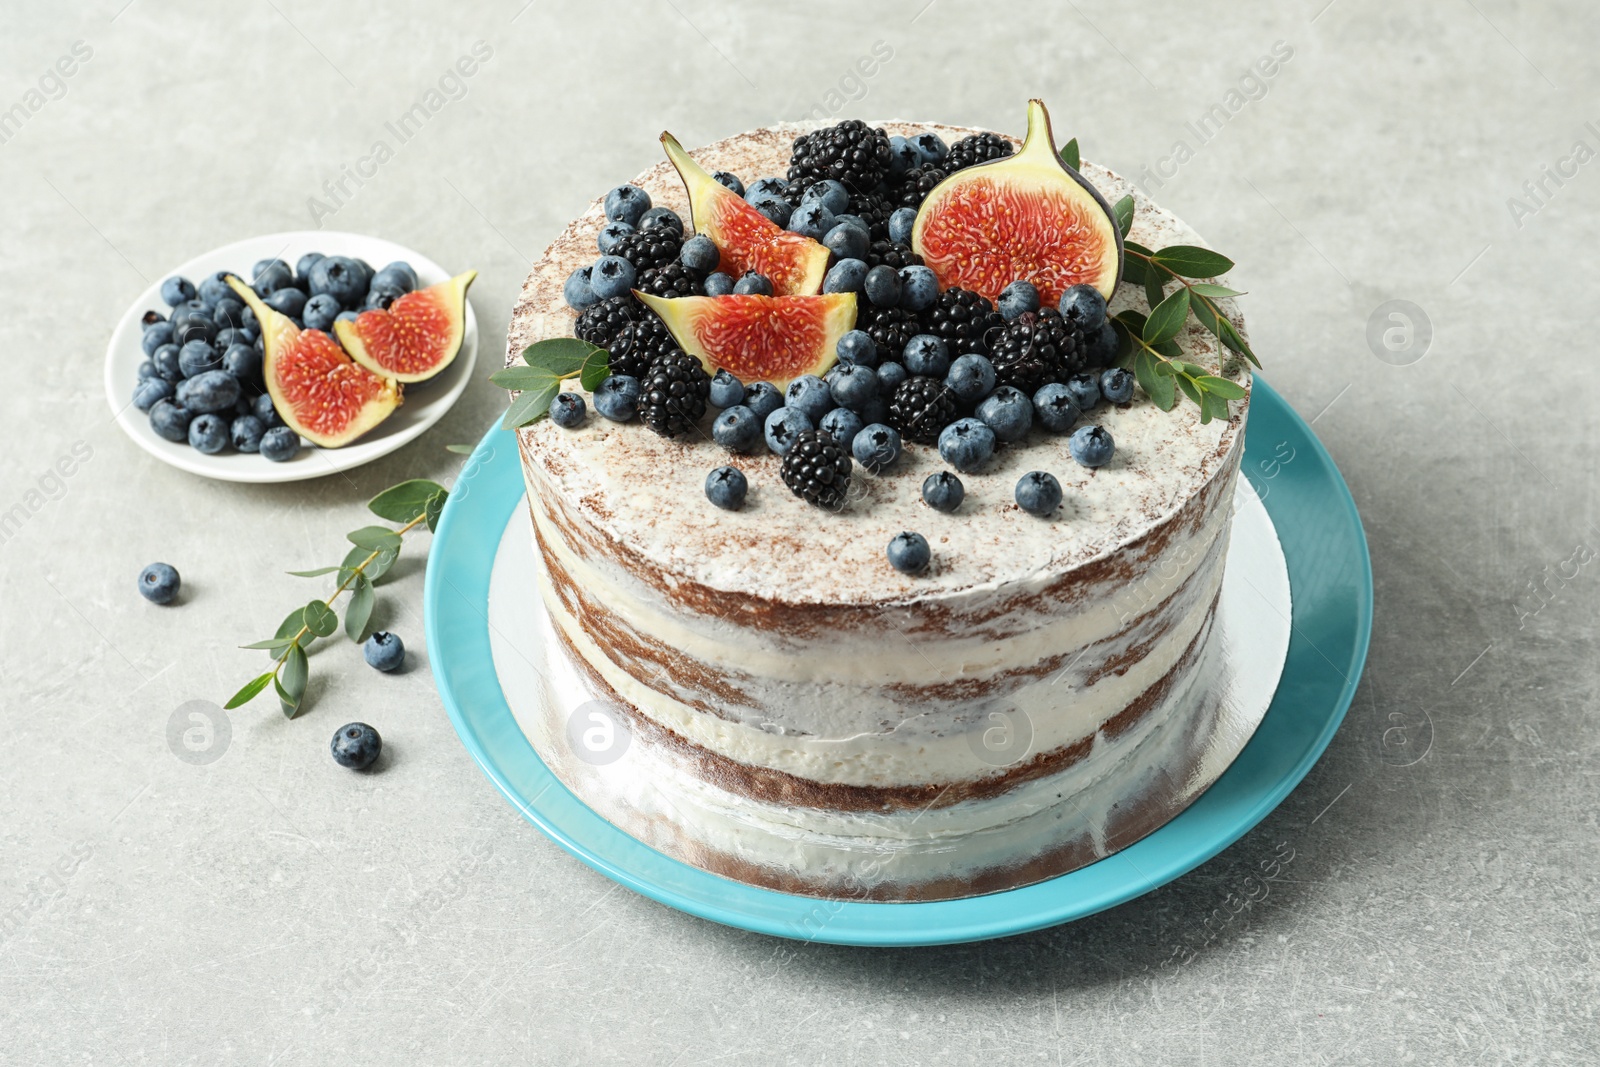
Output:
x=375 y=538
x=1158 y=387
x=1190 y=390
x=318 y=573
x=1192 y=261
x=1168 y=318
x=291 y=683
x=403 y=502
x=1133 y=320
x=562 y=356
x=1217 y=406
x=1133 y=270
x=460 y=450
x=251 y=690
x=521 y=379
x=1135 y=246
x=376 y=569
x=1212 y=289
x=320 y=619
x=596 y=369
x=292 y=624
x=276 y=645
x=530 y=406
x=1069 y=154
x=1232 y=338
x=1227 y=390
x=1154 y=286
x=435 y=508
x=359 y=611
x=1123 y=210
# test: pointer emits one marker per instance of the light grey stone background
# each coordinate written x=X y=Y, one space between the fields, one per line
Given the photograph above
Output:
x=270 y=907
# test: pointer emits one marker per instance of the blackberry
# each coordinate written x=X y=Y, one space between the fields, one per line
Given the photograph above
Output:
x=639 y=344
x=964 y=319
x=673 y=394
x=1038 y=348
x=851 y=152
x=886 y=252
x=921 y=408
x=599 y=325
x=648 y=249
x=979 y=148
x=671 y=280
x=874 y=209
x=817 y=469
x=917 y=183
x=891 y=329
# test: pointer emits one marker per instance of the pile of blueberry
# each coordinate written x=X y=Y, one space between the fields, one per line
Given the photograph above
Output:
x=201 y=381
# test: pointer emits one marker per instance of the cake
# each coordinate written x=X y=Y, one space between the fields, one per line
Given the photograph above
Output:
x=798 y=714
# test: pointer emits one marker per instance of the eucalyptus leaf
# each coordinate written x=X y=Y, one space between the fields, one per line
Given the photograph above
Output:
x=320 y=620
x=1135 y=246
x=1212 y=289
x=318 y=573
x=375 y=538
x=1234 y=340
x=1154 y=285
x=530 y=406
x=562 y=356
x=292 y=681
x=404 y=502
x=1190 y=390
x=1192 y=261
x=381 y=562
x=1216 y=405
x=596 y=369
x=1227 y=390
x=1069 y=155
x=461 y=450
x=518 y=379
x=1167 y=319
x=251 y=690
x=276 y=645
x=292 y=624
x=1169 y=349
x=359 y=611
x=1133 y=270
x=435 y=507
x=1158 y=387
x=1123 y=210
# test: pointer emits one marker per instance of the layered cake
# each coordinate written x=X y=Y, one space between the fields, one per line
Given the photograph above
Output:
x=782 y=695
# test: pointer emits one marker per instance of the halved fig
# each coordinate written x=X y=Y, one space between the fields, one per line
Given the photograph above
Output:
x=759 y=338
x=1027 y=217
x=320 y=392
x=747 y=239
x=416 y=337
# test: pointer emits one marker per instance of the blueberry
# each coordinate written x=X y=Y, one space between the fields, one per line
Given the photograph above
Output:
x=280 y=444
x=340 y=277
x=726 y=488
x=752 y=283
x=874 y=410
x=170 y=420
x=777 y=211
x=197 y=357
x=1016 y=299
x=356 y=745
x=782 y=427
x=1085 y=390
x=831 y=194
x=931 y=147
x=971 y=377
x=902 y=156
x=182 y=313
x=288 y=300
x=900 y=223
x=380 y=296
x=303 y=265
x=890 y=375
x=245 y=406
x=1054 y=407
x=149 y=319
x=320 y=312
x=853 y=385
x=1038 y=493
x=858 y=347
x=763 y=398
x=1083 y=306
x=208 y=434
x=909 y=552
x=1101 y=349
x=610 y=234
x=726 y=390
x=156 y=336
x=159 y=582
x=232 y=335
x=730 y=181
x=213 y=391
x=398 y=274
x=876 y=446
x=613 y=276
x=847 y=241
x=966 y=444
x=844 y=218
x=662 y=218
x=213 y=288
x=1091 y=446
x=243 y=362
x=266 y=412
x=919 y=289
x=177 y=290
x=567 y=410
x=811 y=219
x=617 y=398
x=1116 y=385
x=627 y=203
x=719 y=283
x=193 y=327
x=766 y=189
x=843 y=425
x=882 y=286
x=845 y=276
x=809 y=395
x=699 y=253
x=168 y=360
x=737 y=429
x=927 y=354
x=147 y=369
x=270 y=275
x=1007 y=412
x=943 y=491
x=150 y=390
x=245 y=433
x=577 y=292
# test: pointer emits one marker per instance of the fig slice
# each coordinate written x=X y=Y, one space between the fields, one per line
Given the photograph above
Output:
x=416 y=337
x=320 y=392
x=747 y=239
x=1026 y=217
x=759 y=338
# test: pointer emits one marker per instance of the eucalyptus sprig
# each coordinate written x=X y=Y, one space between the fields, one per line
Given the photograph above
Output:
x=376 y=548
x=1149 y=342
x=547 y=364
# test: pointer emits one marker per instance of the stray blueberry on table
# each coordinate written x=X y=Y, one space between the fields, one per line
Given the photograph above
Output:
x=567 y=410
x=356 y=745
x=384 y=651
x=1091 y=446
x=1038 y=493
x=159 y=582
x=943 y=491
x=726 y=488
x=909 y=552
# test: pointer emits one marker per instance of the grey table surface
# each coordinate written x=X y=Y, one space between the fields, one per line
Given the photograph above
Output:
x=270 y=907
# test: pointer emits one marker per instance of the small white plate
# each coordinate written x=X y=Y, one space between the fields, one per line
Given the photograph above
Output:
x=425 y=402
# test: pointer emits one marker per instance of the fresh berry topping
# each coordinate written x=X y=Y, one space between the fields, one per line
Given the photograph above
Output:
x=567 y=410
x=971 y=378
x=1017 y=298
x=662 y=218
x=966 y=444
x=851 y=152
x=847 y=240
x=918 y=183
x=647 y=249
x=890 y=375
x=882 y=286
x=943 y=491
x=900 y=223
x=930 y=147
x=845 y=276
x=718 y=283
x=1054 y=407
x=909 y=552
x=876 y=446
x=763 y=398
x=1091 y=446
x=922 y=407
x=639 y=344
x=783 y=428
x=1038 y=347
x=726 y=488
x=885 y=253
x=752 y=283
x=1008 y=412
x=928 y=355
x=612 y=276
x=811 y=219
x=700 y=255
x=610 y=235
x=726 y=390
x=599 y=325
x=919 y=288
x=279 y=444
x=964 y=319
x=730 y=180
x=673 y=396
x=976 y=149
x=1084 y=307
x=852 y=385
x=829 y=193
x=817 y=469
x=627 y=203
x=617 y=398
x=858 y=347
x=809 y=395
x=672 y=280
x=890 y=328
x=737 y=429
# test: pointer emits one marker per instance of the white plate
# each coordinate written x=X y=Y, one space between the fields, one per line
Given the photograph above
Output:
x=425 y=402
